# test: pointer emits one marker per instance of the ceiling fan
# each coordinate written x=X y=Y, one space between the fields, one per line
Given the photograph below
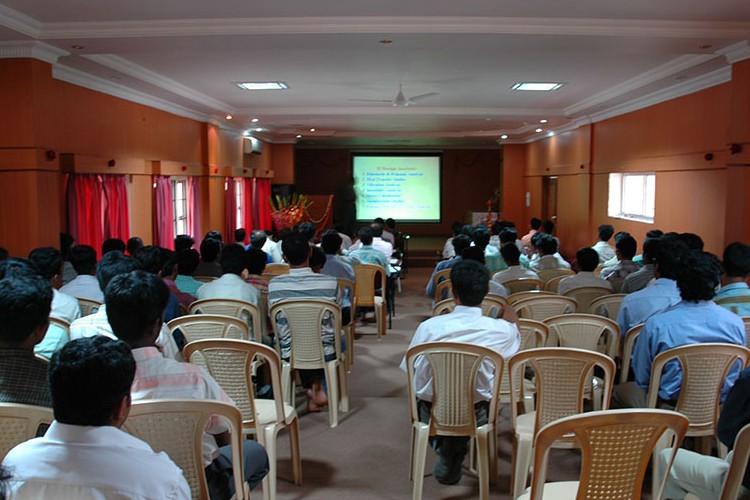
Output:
x=401 y=101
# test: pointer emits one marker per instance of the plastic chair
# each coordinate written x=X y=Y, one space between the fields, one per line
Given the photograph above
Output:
x=177 y=426
x=365 y=292
x=628 y=343
x=541 y=307
x=454 y=368
x=204 y=279
x=19 y=423
x=523 y=285
x=441 y=276
x=444 y=307
x=552 y=284
x=244 y=310
x=746 y=320
x=88 y=306
x=704 y=370
x=607 y=305
x=547 y=274
x=275 y=269
x=561 y=375
x=209 y=326
x=615 y=447
x=304 y=318
x=533 y=335
x=62 y=323
x=443 y=289
x=733 y=480
x=230 y=363
x=492 y=305
x=587 y=294
x=349 y=328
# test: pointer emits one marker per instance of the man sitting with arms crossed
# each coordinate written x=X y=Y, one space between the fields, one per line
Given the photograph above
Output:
x=135 y=308
x=470 y=282
x=84 y=454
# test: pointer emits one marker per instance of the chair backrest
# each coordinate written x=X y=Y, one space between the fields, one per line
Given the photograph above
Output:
x=544 y=306
x=176 y=426
x=584 y=331
x=736 y=473
x=547 y=274
x=616 y=283
x=616 y=446
x=230 y=362
x=209 y=326
x=263 y=309
x=444 y=274
x=455 y=366
x=586 y=294
x=746 y=320
x=551 y=285
x=607 y=305
x=242 y=309
x=443 y=290
x=444 y=307
x=88 y=306
x=346 y=284
x=628 y=342
x=305 y=318
x=523 y=285
x=533 y=335
x=275 y=269
x=60 y=322
x=19 y=423
x=204 y=279
x=562 y=378
x=704 y=370
x=515 y=297
x=364 y=283
x=492 y=305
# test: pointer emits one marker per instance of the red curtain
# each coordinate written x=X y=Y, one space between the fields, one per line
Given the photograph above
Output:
x=194 y=207
x=230 y=209
x=86 y=210
x=247 y=199
x=163 y=214
x=116 y=220
x=262 y=196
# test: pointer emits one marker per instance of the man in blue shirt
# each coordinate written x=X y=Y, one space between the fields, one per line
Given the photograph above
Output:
x=460 y=243
x=695 y=319
x=734 y=293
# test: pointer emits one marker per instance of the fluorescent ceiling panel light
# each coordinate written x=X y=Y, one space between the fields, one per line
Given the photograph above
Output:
x=262 y=85
x=538 y=86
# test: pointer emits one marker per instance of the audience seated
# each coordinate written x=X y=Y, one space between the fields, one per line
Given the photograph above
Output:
x=258 y=240
x=492 y=258
x=135 y=243
x=255 y=262
x=239 y=237
x=346 y=240
x=639 y=279
x=209 y=265
x=448 y=250
x=734 y=293
x=273 y=248
x=534 y=226
x=511 y=256
x=25 y=302
x=378 y=243
x=338 y=267
x=152 y=259
x=548 y=257
x=387 y=235
x=169 y=274
x=183 y=242
x=84 y=454
x=476 y=254
x=367 y=253
x=230 y=285
x=85 y=285
x=187 y=261
x=602 y=247
x=587 y=260
x=625 y=248
x=111 y=244
x=469 y=281
x=695 y=319
x=317 y=258
x=135 y=306
x=69 y=272
x=460 y=243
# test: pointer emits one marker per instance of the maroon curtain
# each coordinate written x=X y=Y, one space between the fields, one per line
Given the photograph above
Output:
x=230 y=209
x=194 y=208
x=262 y=196
x=85 y=210
x=247 y=199
x=115 y=209
x=163 y=213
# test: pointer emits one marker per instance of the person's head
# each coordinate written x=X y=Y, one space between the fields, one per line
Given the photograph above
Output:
x=536 y=239
x=258 y=238
x=3 y=254
x=460 y=243
x=239 y=235
x=470 y=282
x=650 y=249
x=187 y=261
x=473 y=253
x=737 y=260
x=48 y=262
x=25 y=302
x=390 y=223
x=547 y=244
x=182 y=242
x=135 y=306
x=669 y=256
x=606 y=231
x=468 y=230
x=496 y=227
x=152 y=258
x=654 y=233
x=210 y=249
x=481 y=237
x=296 y=250
x=255 y=260
x=508 y=235
x=331 y=242
x=214 y=234
x=89 y=380
x=626 y=247
x=233 y=260
x=307 y=230
x=456 y=228
x=619 y=235
x=365 y=235
x=135 y=243
x=169 y=270
x=317 y=259
x=112 y=244
x=692 y=241
x=511 y=254
x=535 y=223
x=377 y=229
x=111 y=265
x=83 y=259
x=587 y=259
x=699 y=275
x=548 y=226
x=66 y=242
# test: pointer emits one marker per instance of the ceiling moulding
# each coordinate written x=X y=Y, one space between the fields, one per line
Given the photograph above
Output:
x=36 y=50
x=391 y=24
x=737 y=52
x=126 y=67
x=387 y=109
x=19 y=22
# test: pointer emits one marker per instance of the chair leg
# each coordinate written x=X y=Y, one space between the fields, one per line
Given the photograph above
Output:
x=598 y=395
x=521 y=464
x=482 y=462
x=343 y=388
x=663 y=442
x=333 y=394
x=296 y=456
x=269 y=443
x=493 y=456
x=349 y=356
x=422 y=434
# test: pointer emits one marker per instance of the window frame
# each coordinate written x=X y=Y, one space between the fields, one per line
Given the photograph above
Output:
x=179 y=222
x=622 y=195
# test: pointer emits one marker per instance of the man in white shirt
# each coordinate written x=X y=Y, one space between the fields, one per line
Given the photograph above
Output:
x=549 y=258
x=603 y=248
x=84 y=454
x=85 y=285
x=470 y=281
x=230 y=285
x=378 y=243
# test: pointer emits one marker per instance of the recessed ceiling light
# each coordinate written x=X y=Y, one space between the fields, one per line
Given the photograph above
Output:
x=262 y=85
x=254 y=120
x=550 y=133
x=538 y=130
x=229 y=117
x=299 y=136
x=312 y=130
x=504 y=136
x=246 y=133
x=539 y=86
x=259 y=129
x=543 y=120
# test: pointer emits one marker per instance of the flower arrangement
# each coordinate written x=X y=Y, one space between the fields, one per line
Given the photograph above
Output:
x=286 y=211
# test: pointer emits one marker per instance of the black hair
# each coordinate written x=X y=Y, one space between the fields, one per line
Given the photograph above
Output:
x=470 y=281
x=536 y=223
x=606 y=231
x=187 y=261
x=365 y=235
x=468 y=230
x=627 y=247
x=233 y=259
x=496 y=227
x=3 y=254
x=215 y=235
x=473 y=253
x=331 y=242
x=25 y=301
x=258 y=238
x=481 y=237
x=693 y=241
x=508 y=235
x=66 y=242
x=307 y=230
x=547 y=244
x=210 y=249
x=239 y=235
x=47 y=261
x=183 y=242
x=134 y=302
x=737 y=260
x=650 y=249
x=390 y=223
x=152 y=258
x=587 y=259
x=317 y=257
x=548 y=226
x=377 y=229
x=88 y=378
x=619 y=235
x=170 y=264
x=83 y=259
x=255 y=260
x=135 y=243
x=296 y=249
x=536 y=239
x=668 y=257
x=112 y=244
x=456 y=228
x=511 y=254
x=460 y=243
x=699 y=275
x=654 y=233
x=112 y=264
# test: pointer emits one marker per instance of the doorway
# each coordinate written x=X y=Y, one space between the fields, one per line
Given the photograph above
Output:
x=549 y=199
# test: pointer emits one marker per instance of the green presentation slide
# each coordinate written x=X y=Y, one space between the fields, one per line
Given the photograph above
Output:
x=406 y=188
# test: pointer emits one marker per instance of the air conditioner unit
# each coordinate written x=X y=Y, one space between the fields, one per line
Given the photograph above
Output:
x=253 y=145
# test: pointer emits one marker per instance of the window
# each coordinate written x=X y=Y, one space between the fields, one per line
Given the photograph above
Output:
x=632 y=196
x=179 y=204
x=239 y=191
